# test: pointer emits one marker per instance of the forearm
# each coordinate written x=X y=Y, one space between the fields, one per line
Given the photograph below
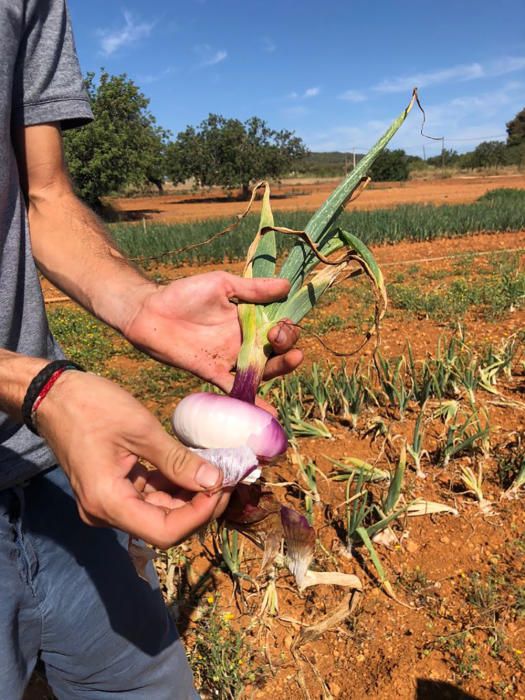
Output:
x=73 y=251
x=16 y=373
x=69 y=244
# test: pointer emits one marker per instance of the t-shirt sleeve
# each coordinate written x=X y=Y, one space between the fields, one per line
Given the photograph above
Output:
x=48 y=85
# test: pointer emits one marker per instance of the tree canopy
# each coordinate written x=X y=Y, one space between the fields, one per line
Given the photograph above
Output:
x=231 y=153
x=487 y=154
x=390 y=165
x=516 y=129
x=123 y=146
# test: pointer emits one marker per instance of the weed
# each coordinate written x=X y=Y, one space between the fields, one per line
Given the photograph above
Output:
x=326 y=324
x=462 y=652
x=482 y=593
x=221 y=661
x=511 y=463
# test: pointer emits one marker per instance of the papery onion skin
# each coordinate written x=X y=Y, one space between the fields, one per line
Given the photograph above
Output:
x=213 y=420
x=237 y=464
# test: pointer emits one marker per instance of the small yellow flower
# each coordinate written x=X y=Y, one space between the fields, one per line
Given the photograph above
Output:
x=518 y=651
x=228 y=616
x=210 y=599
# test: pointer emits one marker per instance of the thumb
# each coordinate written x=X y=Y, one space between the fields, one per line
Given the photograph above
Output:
x=259 y=290
x=178 y=464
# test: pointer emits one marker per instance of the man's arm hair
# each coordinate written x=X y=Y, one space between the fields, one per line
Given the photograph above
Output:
x=70 y=245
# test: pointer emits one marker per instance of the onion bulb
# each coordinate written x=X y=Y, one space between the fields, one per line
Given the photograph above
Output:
x=214 y=421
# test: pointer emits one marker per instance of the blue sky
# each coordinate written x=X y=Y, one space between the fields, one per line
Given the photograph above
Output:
x=335 y=72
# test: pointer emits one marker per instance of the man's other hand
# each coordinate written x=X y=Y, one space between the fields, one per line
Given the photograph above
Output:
x=98 y=433
x=193 y=324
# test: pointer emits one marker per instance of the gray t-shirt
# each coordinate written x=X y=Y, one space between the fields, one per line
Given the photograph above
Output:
x=40 y=82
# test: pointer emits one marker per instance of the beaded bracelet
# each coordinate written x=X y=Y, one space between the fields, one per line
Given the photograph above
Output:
x=40 y=387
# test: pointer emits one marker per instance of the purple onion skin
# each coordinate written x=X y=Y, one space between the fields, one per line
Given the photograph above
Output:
x=293 y=520
x=245 y=385
x=277 y=438
x=249 y=505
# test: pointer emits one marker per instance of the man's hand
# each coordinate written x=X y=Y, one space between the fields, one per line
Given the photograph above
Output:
x=193 y=324
x=98 y=433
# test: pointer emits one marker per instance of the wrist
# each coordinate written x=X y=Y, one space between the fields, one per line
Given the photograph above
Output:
x=59 y=403
x=40 y=387
x=16 y=374
x=124 y=307
x=136 y=303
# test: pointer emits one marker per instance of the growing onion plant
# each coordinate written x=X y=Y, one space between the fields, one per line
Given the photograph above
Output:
x=205 y=421
x=216 y=423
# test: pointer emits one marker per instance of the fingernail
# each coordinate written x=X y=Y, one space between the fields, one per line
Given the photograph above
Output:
x=280 y=336
x=207 y=476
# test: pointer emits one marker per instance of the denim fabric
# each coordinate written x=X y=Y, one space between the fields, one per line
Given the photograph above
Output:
x=70 y=595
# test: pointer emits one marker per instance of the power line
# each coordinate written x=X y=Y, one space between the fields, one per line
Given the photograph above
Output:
x=479 y=138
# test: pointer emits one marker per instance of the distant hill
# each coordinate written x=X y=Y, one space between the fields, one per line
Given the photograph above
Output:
x=326 y=164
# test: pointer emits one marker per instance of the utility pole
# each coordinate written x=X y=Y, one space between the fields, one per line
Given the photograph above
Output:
x=442 y=154
x=353 y=158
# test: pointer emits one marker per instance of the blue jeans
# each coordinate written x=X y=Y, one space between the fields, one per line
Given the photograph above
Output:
x=70 y=596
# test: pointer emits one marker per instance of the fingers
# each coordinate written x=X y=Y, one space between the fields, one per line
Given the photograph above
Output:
x=157 y=524
x=283 y=364
x=283 y=336
x=176 y=462
x=260 y=290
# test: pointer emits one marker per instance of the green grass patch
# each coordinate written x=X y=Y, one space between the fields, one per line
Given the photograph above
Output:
x=156 y=382
x=493 y=296
x=83 y=338
x=497 y=211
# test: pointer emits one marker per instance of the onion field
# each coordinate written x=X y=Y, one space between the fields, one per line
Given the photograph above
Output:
x=501 y=210
x=407 y=459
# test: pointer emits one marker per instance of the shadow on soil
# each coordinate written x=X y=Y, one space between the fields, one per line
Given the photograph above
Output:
x=112 y=216
x=220 y=199
x=440 y=690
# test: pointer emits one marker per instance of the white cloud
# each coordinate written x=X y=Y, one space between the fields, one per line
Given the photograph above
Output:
x=488 y=104
x=295 y=111
x=353 y=96
x=463 y=121
x=217 y=57
x=210 y=57
x=149 y=78
x=446 y=75
x=130 y=33
x=268 y=44
x=307 y=94
x=459 y=73
x=311 y=92
x=508 y=64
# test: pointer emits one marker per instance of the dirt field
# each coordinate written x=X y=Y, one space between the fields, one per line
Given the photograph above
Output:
x=310 y=195
x=457 y=628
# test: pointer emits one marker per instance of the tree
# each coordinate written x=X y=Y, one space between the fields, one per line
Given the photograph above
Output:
x=390 y=165
x=231 y=153
x=123 y=146
x=516 y=129
x=487 y=154
x=446 y=158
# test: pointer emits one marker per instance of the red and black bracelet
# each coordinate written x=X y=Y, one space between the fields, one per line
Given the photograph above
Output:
x=40 y=387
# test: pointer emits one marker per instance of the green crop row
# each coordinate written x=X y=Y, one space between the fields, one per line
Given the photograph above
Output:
x=499 y=210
